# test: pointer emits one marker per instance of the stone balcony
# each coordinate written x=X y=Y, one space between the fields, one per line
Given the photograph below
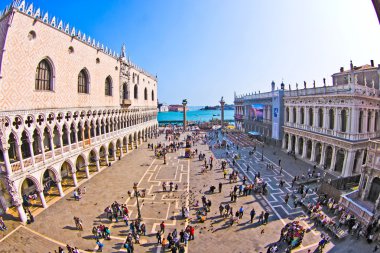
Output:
x=69 y=150
x=333 y=133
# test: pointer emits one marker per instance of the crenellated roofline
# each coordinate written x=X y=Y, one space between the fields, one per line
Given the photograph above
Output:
x=37 y=14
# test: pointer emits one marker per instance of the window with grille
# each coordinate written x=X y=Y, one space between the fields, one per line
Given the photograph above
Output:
x=44 y=76
x=83 y=82
x=108 y=86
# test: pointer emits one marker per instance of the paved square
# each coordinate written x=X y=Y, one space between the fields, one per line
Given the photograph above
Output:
x=55 y=227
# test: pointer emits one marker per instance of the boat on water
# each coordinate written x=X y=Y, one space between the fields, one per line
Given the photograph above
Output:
x=214 y=115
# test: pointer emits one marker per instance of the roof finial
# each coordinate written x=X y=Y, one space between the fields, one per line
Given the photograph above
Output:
x=123 y=54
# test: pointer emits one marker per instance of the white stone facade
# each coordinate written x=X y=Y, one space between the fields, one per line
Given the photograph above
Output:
x=98 y=106
x=330 y=126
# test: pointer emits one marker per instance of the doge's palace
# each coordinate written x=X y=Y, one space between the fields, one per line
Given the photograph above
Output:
x=69 y=106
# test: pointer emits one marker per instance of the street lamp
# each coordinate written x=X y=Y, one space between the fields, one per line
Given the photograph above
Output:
x=137 y=193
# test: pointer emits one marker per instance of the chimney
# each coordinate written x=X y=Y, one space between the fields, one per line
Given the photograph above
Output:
x=372 y=63
x=341 y=69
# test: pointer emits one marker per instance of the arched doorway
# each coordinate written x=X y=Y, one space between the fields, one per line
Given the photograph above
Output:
x=25 y=149
x=130 y=142
x=286 y=136
x=339 y=160
x=92 y=159
x=49 y=184
x=67 y=176
x=308 y=149
x=300 y=146
x=118 y=148
x=331 y=119
x=135 y=140
x=102 y=156
x=30 y=196
x=12 y=152
x=375 y=190
x=80 y=165
x=293 y=143
x=318 y=153
x=111 y=151
x=125 y=143
x=328 y=156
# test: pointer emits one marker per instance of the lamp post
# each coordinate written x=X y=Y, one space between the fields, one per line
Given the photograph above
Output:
x=262 y=153
x=137 y=193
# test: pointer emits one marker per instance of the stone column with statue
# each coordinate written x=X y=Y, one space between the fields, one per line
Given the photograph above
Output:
x=222 y=103
x=184 y=103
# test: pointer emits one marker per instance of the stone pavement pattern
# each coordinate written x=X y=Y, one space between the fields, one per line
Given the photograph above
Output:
x=55 y=226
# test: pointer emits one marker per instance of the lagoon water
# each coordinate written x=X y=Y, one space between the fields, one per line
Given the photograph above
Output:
x=195 y=114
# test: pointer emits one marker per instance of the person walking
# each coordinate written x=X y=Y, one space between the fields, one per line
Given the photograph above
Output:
x=241 y=212
x=286 y=198
x=266 y=216
x=158 y=236
x=252 y=213
x=162 y=227
x=261 y=217
x=100 y=245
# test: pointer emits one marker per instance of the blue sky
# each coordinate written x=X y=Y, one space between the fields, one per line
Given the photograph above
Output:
x=205 y=49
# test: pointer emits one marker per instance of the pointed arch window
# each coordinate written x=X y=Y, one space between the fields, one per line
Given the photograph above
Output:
x=44 y=76
x=145 y=94
x=108 y=86
x=83 y=82
x=125 y=91
x=135 y=92
x=152 y=95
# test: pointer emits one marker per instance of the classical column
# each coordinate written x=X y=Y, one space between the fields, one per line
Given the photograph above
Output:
x=365 y=121
x=306 y=116
x=30 y=141
x=296 y=148
x=284 y=142
x=87 y=170
x=75 y=179
x=333 y=158
x=126 y=147
x=7 y=163
x=315 y=117
x=359 y=163
x=348 y=163
x=289 y=143
x=222 y=102
x=354 y=120
x=326 y=118
x=313 y=151
x=97 y=165
x=363 y=179
x=339 y=120
x=121 y=150
x=336 y=119
x=60 y=140
x=107 y=161
x=19 y=155
x=52 y=145
x=367 y=187
x=184 y=103
x=373 y=119
x=323 y=154
x=42 y=197
x=69 y=139
x=114 y=153
x=304 y=148
x=21 y=213
x=59 y=186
